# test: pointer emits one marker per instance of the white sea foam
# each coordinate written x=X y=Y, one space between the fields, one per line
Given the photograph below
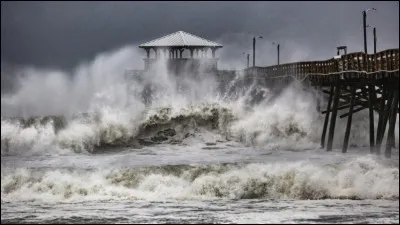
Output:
x=359 y=178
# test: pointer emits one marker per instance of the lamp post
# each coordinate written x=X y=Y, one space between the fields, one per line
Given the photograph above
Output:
x=365 y=27
x=374 y=33
x=277 y=47
x=248 y=59
x=254 y=50
x=375 y=40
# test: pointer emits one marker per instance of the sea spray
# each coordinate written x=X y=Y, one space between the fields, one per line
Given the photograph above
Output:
x=126 y=111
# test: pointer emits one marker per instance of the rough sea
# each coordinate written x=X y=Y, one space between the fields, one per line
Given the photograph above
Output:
x=94 y=146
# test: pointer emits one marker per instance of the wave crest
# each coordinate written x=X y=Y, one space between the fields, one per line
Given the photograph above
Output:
x=92 y=132
x=361 y=178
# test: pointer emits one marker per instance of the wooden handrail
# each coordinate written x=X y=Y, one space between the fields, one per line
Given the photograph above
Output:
x=355 y=61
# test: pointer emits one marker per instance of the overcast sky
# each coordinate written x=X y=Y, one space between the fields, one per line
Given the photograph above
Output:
x=63 y=34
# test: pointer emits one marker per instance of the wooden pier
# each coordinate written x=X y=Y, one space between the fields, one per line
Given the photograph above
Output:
x=354 y=82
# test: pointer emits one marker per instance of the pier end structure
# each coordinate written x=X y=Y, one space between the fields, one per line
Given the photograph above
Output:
x=171 y=48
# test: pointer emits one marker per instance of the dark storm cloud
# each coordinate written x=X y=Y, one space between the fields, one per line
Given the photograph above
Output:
x=62 y=34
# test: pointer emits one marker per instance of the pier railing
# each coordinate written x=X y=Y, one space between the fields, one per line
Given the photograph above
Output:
x=358 y=61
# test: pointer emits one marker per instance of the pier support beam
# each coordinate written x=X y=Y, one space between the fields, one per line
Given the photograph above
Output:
x=371 y=101
x=392 y=123
x=380 y=131
x=328 y=109
x=334 y=115
x=349 y=118
x=386 y=113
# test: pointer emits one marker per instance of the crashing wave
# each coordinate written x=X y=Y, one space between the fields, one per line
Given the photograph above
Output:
x=92 y=132
x=360 y=178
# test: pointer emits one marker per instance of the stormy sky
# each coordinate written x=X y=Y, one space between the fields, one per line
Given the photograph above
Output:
x=63 y=34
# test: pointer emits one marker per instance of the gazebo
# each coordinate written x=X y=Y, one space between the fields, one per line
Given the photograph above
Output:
x=172 y=47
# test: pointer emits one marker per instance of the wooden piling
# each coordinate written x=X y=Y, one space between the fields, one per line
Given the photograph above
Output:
x=334 y=115
x=371 y=101
x=379 y=131
x=392 y=123
x=386 y=113
x=395 y=104
x=328 y=109
x=349 y=118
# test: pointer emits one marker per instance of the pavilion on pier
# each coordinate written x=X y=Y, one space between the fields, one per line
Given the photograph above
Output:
x=200 y=53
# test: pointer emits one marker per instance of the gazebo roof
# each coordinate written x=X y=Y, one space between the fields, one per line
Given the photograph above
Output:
x=180 y=39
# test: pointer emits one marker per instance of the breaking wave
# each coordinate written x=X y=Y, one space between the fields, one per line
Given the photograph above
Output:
x=93 y=131
x=360 y=178
x=172 y=125
x=276 y=124
x=99 y=106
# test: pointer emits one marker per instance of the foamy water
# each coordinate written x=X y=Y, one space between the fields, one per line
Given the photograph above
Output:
x=230 y=184
x=100 y=147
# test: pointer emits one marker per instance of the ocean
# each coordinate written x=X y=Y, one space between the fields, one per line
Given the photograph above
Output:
x=98 y=148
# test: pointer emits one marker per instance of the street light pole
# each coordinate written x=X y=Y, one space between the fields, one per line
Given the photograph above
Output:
x=254 y=50
x=278 y=49
x=248 y=58
x=374 y=40
x=278 y=53
x=365 y=28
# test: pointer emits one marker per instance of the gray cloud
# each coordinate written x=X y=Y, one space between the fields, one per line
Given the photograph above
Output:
x=64 y=34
